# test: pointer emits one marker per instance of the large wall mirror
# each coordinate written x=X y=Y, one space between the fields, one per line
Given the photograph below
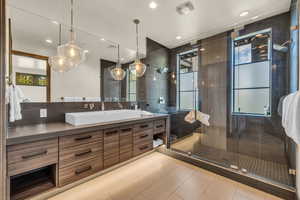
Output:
x=34 y=38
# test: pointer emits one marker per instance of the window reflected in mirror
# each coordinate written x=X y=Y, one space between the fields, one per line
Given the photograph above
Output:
x=31 y=74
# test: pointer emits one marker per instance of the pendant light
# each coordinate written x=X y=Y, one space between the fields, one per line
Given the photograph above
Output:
x=59 y=63
x=138 y=68
x=70 y=50
x=117 y=72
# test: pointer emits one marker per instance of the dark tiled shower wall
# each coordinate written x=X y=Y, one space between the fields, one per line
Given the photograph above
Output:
x=154 y=85
x=56 y=111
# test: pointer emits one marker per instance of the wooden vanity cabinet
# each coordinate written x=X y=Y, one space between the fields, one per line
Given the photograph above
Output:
x=143 y=138
x=111 y=147
x=126 y=143
x=29 y=156
x=80 y=156
x=77 y=156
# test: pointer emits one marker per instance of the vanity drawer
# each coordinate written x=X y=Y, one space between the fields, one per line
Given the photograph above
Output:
x=143 y=126
x=144 y=136
x=76 y=172
x=73 y=155
x=126 y=130
x=74 y=140
x=125 y=156
x=112 y=160
x=25 y=157
x=111 y=135
x=159 y=126
x=142 y=148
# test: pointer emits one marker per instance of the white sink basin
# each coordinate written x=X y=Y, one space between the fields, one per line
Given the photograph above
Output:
x=84 y=118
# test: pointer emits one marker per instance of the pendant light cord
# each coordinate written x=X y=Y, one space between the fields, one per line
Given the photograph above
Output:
x=118 y=53
x=137 y=40
x=72 y=20
x=59 y=36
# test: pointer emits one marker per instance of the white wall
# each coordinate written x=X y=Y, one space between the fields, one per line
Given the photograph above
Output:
x=82 y=81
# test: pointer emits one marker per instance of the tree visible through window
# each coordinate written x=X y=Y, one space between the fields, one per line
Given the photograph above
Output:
x=252 y=74
x=187 y=80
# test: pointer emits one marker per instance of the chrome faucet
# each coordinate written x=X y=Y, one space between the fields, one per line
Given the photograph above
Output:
x=90 y=106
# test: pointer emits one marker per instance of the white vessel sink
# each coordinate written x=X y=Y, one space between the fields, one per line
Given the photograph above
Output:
x=85 y=118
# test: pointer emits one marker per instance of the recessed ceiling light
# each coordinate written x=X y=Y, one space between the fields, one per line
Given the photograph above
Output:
x=86 y=51
x=102 y=39
x=152 y=5
x=49 y=41
x=243 y=14
x=55 y=22
x=122 y=59
x=178 y=37
x=255 y=17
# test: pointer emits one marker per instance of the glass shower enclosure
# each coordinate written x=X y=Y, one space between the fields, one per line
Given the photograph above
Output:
x=239 y=81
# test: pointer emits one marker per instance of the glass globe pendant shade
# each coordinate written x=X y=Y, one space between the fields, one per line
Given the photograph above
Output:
x=138 y=68
x=118 y=73
x=72 y=52
x=59 y=64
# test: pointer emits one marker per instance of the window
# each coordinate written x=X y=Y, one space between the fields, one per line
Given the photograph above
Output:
x=131 y=86
x=187 y=79
x=251 y=90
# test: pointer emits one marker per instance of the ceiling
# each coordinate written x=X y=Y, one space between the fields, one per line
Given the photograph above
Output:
x=112 y=19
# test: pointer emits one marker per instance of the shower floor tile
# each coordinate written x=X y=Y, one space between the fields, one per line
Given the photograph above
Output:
x=272 y=170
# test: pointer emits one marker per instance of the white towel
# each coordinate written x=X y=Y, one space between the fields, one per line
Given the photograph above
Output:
x=16 y=97
x=193 y=116
x=203 y=118
x=190 y=117
x=291 y=116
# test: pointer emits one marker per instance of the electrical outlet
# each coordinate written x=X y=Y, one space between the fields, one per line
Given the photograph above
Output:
x=43 y=113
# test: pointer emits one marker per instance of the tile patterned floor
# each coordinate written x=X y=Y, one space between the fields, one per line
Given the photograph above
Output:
x=159 y=177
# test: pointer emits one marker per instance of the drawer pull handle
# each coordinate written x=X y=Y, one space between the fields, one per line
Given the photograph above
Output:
x=159 y=126
x=126 y=130
x=85 y=169
x=144 y=126
x=144 y=136
x=83 y=138
x=111 y=132
x=143 y=147
x=83 y=153
x=35 y=155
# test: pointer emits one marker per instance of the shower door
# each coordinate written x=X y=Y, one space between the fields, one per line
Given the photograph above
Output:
x=258 y=76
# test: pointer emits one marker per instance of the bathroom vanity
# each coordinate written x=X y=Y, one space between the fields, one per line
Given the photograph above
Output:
x=57 y=154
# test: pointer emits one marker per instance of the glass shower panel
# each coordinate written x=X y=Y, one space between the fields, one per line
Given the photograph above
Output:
x=187 y=100
x=186 y=82
x=254 y=101
x=252 y=75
